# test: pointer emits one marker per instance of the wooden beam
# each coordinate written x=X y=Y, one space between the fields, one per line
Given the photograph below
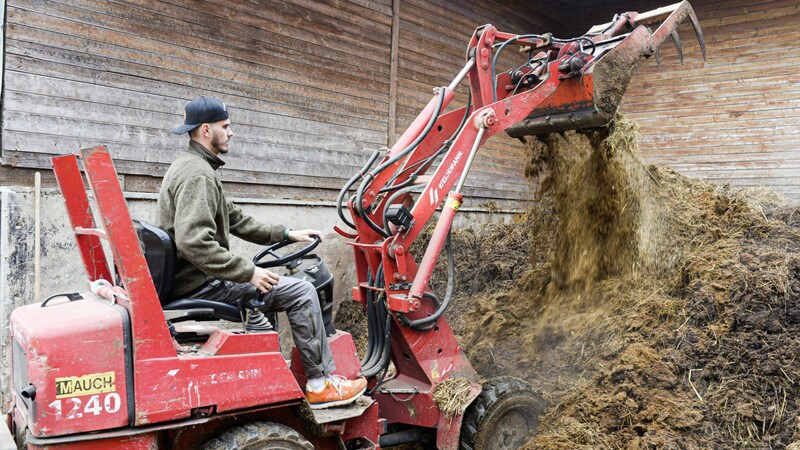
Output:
x=2 y=65
x=391 y=135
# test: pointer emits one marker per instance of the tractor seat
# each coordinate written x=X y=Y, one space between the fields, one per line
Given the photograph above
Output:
x=159 y=252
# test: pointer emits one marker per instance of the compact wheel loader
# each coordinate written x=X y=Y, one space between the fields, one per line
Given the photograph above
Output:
x=124 y=366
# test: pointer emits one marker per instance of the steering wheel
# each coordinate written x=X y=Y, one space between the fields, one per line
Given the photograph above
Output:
x=281 y=260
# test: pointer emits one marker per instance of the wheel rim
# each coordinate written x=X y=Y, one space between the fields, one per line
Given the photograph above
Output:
x=511 y=429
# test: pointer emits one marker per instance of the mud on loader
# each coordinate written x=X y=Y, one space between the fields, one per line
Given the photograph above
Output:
x=100 y=369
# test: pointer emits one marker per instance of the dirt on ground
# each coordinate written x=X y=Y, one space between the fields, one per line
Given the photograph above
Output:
x=651 y=310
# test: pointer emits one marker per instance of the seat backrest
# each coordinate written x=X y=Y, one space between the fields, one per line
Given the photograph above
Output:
x=159 y=251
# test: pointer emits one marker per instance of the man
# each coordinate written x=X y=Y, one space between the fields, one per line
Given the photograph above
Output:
x=193 y=209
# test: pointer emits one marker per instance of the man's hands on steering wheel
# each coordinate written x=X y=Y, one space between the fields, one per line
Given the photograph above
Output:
x=304 y=235
x=265 y=279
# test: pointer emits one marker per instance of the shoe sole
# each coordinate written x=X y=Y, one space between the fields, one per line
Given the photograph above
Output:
x=338 y=402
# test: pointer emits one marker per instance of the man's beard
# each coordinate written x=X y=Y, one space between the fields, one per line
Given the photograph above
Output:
x=215 y=142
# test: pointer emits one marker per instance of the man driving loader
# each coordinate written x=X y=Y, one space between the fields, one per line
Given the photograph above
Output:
x=193 y=209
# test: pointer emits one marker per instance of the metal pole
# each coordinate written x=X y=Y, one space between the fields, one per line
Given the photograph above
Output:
x=461 y=74
x=470 y=158
x=37 y=238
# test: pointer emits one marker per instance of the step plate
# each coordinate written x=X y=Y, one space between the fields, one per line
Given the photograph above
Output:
x=341 y=413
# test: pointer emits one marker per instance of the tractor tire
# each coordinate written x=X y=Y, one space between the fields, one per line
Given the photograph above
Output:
x=503 y=417
x=259 y=436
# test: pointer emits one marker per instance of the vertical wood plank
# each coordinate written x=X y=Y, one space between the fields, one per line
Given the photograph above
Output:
x=391 y=135
x=2 y=67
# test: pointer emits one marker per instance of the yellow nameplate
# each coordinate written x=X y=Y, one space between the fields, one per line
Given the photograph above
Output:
x=95 y=383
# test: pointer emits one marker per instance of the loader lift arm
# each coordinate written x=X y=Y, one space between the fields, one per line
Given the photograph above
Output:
x=563 y=84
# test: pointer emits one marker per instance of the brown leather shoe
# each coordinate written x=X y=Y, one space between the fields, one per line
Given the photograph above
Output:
x=338 y=391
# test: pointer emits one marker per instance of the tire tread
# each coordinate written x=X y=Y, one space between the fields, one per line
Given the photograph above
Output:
x=493 y=390
x=237 y=437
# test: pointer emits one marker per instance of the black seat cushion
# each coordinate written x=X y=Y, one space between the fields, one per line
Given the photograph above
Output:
x=208 y=309
x=159 y=252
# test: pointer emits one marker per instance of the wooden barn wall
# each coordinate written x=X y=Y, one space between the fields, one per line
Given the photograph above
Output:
x=307 y=83
x=433 y=38
x=734 y=119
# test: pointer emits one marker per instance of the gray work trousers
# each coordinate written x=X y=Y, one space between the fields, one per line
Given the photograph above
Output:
x=298 y=299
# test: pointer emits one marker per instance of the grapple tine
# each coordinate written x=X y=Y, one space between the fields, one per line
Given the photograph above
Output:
x=658 y=59
x=698 y=32
x=670 y=17
x=677 y=41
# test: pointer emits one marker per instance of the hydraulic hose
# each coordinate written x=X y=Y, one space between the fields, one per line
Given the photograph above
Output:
x=372 y=174
x=370 y=324
x=497 y=55
x=350 y=183
x=378 y=357
x=465 y=116
x=385 y=355
x=577 y=39
x=376 y=335
x=394 y=197
x=383 y=364
x=425 y=163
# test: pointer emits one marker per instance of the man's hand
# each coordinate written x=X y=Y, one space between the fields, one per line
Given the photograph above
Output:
x=264 y=280
x=304 y=235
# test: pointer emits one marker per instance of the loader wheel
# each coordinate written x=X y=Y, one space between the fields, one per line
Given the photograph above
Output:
x=258 y=436
x=503 y=417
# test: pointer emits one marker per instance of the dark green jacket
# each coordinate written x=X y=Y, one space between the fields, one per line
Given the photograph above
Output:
x=193 y=209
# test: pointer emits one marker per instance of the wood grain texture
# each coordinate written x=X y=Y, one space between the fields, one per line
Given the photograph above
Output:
x=2 y=46
x=433 y=40
x=306 y=109
x=734 y=118
x=313 y=88
x=308 y=83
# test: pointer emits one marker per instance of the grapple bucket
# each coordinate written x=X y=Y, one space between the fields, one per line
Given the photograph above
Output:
x=591 y=97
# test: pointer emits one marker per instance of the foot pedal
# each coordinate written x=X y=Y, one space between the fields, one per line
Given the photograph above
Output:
x=340 y=413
